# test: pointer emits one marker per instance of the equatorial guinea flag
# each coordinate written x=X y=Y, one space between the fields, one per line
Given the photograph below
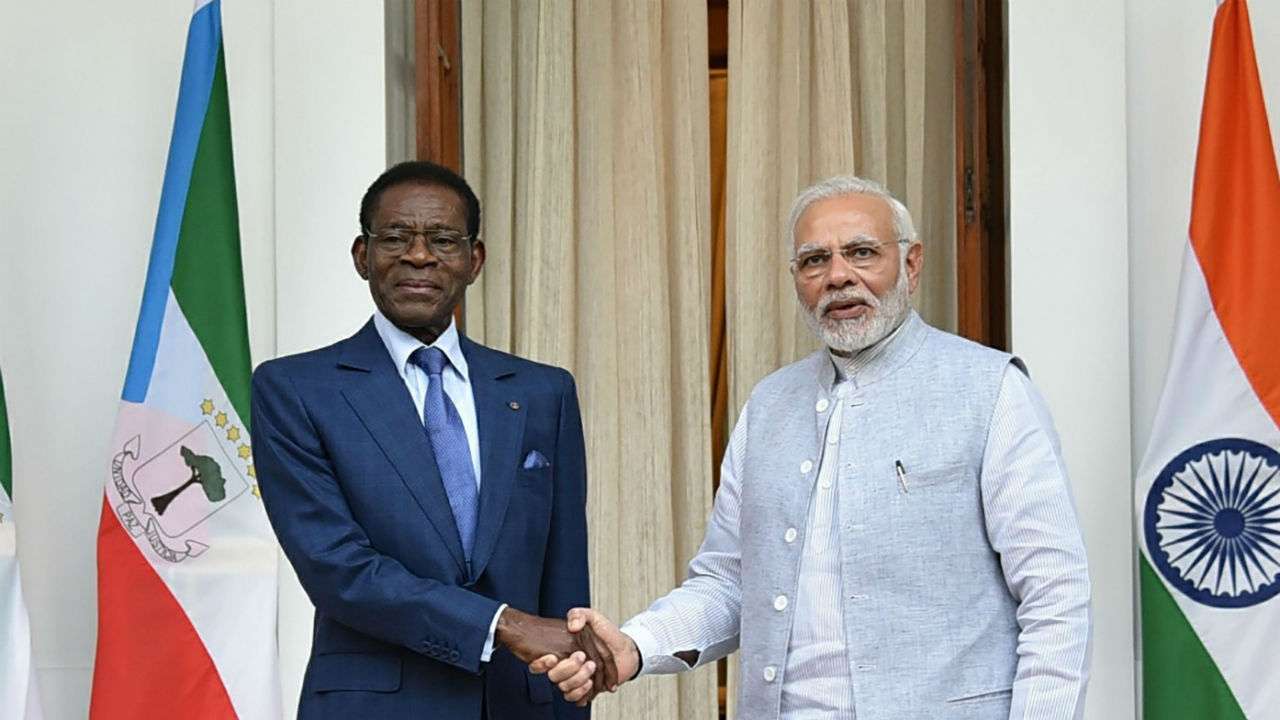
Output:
x=1208 y=490
x=186 y=559
x=19 y=697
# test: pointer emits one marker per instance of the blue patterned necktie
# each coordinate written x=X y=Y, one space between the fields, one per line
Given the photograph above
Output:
x=449 y=443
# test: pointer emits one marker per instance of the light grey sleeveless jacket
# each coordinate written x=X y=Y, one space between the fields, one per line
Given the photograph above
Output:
x=930 y=625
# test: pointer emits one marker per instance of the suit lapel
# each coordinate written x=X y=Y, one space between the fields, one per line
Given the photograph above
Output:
x=376 y=392
x=495 y=389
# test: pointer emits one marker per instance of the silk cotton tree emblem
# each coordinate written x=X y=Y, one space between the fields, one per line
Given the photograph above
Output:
x=1212 y=522
x=167 y=497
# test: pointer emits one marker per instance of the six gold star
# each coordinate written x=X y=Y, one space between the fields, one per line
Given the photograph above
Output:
x=234 y=434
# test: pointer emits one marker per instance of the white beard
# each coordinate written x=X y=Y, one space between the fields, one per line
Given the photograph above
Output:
x=884 y=314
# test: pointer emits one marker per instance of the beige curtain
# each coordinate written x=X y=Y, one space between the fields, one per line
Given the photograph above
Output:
x=816 y=89
x=820 y=88
x=585 y=134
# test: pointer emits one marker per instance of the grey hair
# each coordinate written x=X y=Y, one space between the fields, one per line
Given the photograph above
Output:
x=840 y=185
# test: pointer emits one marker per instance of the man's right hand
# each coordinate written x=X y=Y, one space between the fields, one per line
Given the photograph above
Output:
x=613 y=648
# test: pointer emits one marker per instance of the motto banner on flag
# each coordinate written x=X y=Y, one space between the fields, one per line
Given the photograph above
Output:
x=1208 y=490
x=186 y=558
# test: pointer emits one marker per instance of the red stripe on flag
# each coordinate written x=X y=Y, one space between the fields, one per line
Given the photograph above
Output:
x=1235 y=209
x=150 y=661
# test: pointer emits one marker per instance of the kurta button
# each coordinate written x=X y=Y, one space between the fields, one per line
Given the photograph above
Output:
x=770 y=673
x=790 y=535
x=780 y=603
x=822 y=405
x=806 y=466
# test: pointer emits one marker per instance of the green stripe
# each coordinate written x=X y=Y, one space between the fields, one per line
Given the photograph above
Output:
x=207 y=279
x=6 y=453
x=1179 y=679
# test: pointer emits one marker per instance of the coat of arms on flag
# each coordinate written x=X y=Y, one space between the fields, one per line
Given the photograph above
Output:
x=166 y=496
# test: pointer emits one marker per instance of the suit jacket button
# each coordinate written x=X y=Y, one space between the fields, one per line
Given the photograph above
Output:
x=453 y=656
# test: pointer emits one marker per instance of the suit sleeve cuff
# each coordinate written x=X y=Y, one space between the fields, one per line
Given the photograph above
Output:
x=487 y=652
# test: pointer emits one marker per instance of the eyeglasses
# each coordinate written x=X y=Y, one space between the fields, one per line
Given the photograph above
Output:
x=444 y=244
x=861 y=254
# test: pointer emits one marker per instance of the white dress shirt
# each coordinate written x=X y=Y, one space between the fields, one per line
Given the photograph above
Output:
x=457 y=385
x=817 y=682
x=1025 y=496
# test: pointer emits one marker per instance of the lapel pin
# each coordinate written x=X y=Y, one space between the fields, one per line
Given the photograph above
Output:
x=513 y=405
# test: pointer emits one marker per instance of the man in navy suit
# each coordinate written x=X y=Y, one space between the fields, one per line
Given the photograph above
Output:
x=430 y=492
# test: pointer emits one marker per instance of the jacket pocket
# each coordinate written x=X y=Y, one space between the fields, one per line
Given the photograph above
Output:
x=1005 y=695
x=938 y=476
x=371 y=672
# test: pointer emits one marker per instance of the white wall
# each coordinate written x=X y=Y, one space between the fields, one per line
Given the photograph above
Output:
x=1069 y=286
x=90 y=92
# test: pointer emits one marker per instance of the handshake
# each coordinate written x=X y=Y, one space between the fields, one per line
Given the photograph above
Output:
x=583 y=655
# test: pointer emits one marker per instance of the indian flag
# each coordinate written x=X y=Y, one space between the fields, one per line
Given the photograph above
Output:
x=18 y=694
x=186 y=559
x=1208 y=491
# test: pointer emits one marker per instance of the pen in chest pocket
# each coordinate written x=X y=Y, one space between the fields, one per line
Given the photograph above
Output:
x=902 y=475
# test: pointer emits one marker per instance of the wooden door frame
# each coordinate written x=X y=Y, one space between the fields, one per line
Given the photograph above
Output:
x=437 y=50
x=981 y=237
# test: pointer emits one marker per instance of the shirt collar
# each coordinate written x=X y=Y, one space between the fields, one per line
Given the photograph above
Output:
x=874 y=362
x=401 y=345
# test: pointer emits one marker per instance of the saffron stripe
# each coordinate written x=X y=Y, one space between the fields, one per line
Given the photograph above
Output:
x=1235 y=211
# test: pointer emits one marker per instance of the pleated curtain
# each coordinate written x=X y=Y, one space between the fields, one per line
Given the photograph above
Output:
x=816 y=89
x=585 y=135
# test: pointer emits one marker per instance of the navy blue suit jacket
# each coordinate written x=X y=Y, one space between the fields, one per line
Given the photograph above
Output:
x=351 y=487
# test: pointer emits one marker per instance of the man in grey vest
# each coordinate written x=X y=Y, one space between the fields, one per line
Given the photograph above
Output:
x=894 y=536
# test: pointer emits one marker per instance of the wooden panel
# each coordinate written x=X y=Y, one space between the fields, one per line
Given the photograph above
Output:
x=980 y=207
x=438 y=57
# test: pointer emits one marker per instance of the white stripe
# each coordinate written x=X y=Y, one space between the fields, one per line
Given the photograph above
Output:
x=1207 y=396
x=19 y=697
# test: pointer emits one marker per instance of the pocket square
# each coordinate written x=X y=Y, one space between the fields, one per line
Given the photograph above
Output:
x=535 y=460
